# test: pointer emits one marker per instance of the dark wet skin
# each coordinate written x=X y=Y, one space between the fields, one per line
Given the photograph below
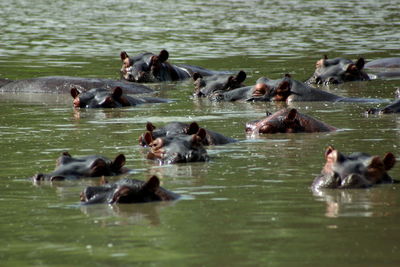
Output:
x=127 y=191
x=63 y=85
x=148 y=67
x=70 y=168
x=357 y=170
x=177 y=149
x=104 y=98
x=179 y=128
x=290 y=90
x=287 y=121
x=338 y=70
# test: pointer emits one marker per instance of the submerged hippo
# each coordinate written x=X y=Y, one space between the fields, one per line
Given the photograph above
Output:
x=338 y=70
x=391 y=108
x=290 y=90
x=104 y=98
x=357 y=170
x=63 y=84
x=205 y=86
x=70 y=168
x=127 y=191
x=390 y=62
x=177 y=149
x=389 y=67
x=230 y=88
x=287 y=121
x=148 y=67
x=180 y=128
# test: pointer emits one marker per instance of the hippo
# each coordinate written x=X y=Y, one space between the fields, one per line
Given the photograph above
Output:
x=63 y=85
x=357 y=170
x=389 y=67
x=70 y=168
x=287 y=121
x=338 y=70
x=177 y=149
x=180 y=128
x=260 y=92
x=104 y=98
x=208 y=85
x=391 y=108
x=391 y=62
x=127 y=191
x=290 y=90
x=148 y=67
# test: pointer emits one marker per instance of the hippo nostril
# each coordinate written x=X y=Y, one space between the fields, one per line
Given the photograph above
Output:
x=38 y=177
x=331 y=80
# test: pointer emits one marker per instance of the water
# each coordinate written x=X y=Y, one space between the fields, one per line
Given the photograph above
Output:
x=251 y=204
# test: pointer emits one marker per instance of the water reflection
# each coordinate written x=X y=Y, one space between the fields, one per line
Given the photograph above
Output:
x=374 y=202
x=126 y=214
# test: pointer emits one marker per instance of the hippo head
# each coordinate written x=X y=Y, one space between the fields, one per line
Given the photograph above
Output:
x=391 y=108
x=338 y=70
x=126 y=191
x=147 y=67
x=280 y=122
x=282 y=90
x=99 y=98
x=358 y=170
x=169 y=130
x=89 y=166
x=209 y=85
x=177 y=149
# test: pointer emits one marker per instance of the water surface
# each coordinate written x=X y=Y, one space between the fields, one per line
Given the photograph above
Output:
x=251 y=204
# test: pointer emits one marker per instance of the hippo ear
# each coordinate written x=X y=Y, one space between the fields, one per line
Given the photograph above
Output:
x=152 y=184
x=163 y=56
x=123 y=55
x=150 y=127
x=66 y=154
x=241 y=76
x=196 y=76
x=118 y=162
x=38 y=177
x=389 y=160
x=292 y=114
x=148 y=137
x=117 y=92
x=193 y=128
x=360 y=63
x=74 y=92
x=328 y=152
x=287 y=75
x=325 y=56
x=202 y=133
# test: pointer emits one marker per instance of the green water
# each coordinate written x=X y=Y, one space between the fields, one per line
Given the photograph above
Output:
x=251 y=204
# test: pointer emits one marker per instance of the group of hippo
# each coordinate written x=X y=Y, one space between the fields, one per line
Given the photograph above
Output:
x=185 y=142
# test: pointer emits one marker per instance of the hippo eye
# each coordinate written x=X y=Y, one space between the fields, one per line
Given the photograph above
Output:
x=156 y=144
